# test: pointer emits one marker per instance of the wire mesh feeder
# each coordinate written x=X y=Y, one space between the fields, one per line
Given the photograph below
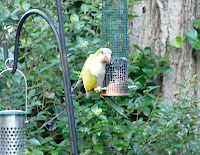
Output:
x=114 y=34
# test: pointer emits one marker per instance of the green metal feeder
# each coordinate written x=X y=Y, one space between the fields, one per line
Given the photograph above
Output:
x=114 y=35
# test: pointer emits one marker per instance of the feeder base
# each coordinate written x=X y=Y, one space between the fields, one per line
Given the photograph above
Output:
x=115 y=94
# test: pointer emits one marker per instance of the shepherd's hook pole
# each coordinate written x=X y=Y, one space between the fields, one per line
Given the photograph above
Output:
x=64 y=65
x=67 y=85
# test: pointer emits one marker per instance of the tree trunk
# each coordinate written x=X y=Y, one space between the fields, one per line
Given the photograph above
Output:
x=159 y=22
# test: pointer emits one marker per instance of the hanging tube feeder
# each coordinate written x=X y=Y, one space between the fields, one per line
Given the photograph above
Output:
x=12 y=126
x=60 y=38
x=114 y=34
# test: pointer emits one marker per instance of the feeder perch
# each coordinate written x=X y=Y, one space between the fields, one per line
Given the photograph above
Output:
x=114 y=35
x=12 y=127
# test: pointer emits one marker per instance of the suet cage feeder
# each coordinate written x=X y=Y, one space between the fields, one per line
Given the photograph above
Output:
x=114 y=35
x=12 y=128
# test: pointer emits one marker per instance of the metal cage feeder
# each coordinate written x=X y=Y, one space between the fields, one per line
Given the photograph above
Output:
x=12 y=127
x=114 y=35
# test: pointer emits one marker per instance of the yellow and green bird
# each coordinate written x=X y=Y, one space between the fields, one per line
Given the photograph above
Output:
x=93 y=73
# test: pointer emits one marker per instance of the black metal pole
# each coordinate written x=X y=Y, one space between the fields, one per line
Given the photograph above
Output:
x=65 y=70
x=5 y=49
x=67 y=85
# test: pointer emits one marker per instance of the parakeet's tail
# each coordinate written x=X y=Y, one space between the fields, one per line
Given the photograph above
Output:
x=78 y=85
x=114 y=105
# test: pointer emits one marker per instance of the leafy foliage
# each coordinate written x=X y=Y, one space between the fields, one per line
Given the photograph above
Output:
x=151 y=127
x=192 y=35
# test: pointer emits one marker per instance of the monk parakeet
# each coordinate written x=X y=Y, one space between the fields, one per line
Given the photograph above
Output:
x=93 y=73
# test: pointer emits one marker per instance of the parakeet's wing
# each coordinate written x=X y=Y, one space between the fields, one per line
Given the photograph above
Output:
x=80 y=80
x=89 y=80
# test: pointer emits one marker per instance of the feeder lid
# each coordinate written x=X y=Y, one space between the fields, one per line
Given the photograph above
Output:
x=12 y=112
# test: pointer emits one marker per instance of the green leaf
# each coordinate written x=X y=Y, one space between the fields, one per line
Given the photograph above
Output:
x=195 y=44
x=37 y=152
x=87 y=151
x=94 y=139
x=169 y=150
x=132 y=16
x=98 y=149
x=80 y=41
x=177 y=42
x=84 y=8
x=53 y=143
x=150 y=88
x=179 y=85
x=137 y=47
x=147 y=50
x=180 y=145
x=196 y=23
x=54 y=152
x=165 y=59
x=74 y=18
x=191 y=34
x=133 y=68
x=25 y=5
x=133 y=55
x=46 y=140
x=31 y=93
x=94 y=108
x=162 y=69
x=34 y=141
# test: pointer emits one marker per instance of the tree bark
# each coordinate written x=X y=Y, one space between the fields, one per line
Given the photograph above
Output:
x=159 y=22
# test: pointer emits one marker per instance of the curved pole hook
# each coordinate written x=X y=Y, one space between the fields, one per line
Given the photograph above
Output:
x=65 y=71
x=19 y=27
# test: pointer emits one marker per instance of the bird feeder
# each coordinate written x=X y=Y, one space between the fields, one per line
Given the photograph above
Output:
x=114 y=35
x=60 y=38
x=12 y=127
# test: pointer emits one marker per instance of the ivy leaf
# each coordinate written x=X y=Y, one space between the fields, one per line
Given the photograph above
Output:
x=195 y=44
x=191 y=34
x=177 y=42
x=196 y=23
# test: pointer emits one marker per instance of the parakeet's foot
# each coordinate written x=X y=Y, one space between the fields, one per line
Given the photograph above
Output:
x=98 y=89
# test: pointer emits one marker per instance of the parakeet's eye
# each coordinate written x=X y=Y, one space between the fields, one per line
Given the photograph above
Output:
x=101 y=52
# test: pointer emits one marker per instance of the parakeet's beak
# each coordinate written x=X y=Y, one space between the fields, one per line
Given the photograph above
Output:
x=107 y=58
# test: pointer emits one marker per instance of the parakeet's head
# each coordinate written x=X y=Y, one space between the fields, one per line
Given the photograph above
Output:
x=104 y=54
